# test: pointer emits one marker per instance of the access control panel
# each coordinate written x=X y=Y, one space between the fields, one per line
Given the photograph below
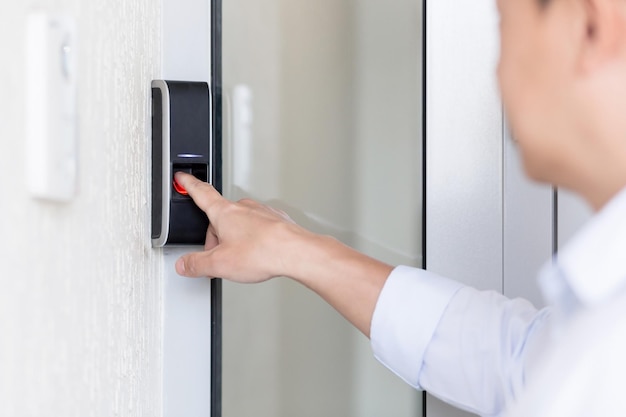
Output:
x=181 y=141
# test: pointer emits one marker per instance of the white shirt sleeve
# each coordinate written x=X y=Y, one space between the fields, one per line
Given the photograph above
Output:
x=407 y=313
x=470 y=348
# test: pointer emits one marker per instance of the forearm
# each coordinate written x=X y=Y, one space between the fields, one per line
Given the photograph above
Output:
x=348 y=280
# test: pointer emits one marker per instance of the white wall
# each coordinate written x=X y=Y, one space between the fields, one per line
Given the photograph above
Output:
x=80 y=309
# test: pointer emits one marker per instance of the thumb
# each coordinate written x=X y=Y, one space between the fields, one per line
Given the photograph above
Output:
x=196 y=265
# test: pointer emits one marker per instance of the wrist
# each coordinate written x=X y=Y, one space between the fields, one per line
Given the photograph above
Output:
x=303 y=249
x=347 y=279
x=314 y=259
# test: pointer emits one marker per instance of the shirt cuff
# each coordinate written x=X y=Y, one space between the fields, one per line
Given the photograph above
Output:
x=406 y=316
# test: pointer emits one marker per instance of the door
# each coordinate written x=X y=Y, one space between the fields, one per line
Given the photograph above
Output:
x=322 y=111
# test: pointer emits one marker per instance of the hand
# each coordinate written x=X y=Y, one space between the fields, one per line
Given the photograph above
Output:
x=246 y=241
x=249 y=242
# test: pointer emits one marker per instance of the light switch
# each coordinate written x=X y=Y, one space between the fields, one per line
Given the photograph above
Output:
x=51 y=137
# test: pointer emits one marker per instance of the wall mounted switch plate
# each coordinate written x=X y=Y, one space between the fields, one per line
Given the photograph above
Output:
x=51 y=138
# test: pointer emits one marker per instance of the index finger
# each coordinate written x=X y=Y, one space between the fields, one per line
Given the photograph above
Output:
x=203 y=194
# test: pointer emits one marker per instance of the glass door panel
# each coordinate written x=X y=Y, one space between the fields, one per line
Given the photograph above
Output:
x=322 y=118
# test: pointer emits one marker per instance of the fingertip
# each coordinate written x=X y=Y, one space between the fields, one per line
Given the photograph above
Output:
x=180 y=267
x=183 y=177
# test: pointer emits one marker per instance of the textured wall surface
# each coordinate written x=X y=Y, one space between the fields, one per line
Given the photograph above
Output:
x=80 y=310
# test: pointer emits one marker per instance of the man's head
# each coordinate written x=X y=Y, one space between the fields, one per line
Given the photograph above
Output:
x=562 y=75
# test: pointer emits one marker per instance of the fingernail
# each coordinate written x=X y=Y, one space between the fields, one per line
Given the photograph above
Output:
x=180 y=266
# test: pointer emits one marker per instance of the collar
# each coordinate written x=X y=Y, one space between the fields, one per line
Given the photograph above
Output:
x=592 y=266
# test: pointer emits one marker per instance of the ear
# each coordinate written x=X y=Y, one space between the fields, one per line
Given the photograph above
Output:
x=604 y=32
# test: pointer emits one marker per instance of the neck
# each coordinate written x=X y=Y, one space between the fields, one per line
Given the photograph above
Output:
x=600 y=193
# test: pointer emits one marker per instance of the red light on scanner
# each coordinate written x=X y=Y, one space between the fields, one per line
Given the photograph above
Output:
x=179 y=188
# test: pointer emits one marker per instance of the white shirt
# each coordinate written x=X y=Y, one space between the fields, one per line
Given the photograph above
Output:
x=487 y=354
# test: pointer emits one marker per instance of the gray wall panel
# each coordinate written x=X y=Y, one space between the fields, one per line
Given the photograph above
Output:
x=464 y=143
x=528 y=231
x=573 y=213
x=464 y=147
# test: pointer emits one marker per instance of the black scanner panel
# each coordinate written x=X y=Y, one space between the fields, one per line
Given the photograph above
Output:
x=181 y=141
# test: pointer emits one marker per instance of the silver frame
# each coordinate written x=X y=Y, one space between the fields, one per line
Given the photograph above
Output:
x=165 y=142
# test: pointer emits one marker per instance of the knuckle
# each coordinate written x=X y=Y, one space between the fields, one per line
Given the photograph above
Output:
x=205 y=197
x=197 y=186
x=247 y=202
x=190 y=266
x=224 y=207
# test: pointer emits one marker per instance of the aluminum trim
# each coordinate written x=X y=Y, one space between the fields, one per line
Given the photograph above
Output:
x=165 y=143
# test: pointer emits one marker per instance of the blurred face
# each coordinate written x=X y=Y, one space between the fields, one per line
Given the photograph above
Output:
x=534 y=76
x=562 y=76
